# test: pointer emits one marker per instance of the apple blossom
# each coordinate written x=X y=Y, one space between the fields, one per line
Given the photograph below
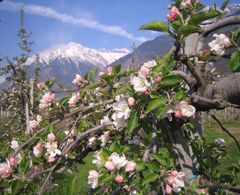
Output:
x=39 y=118
x=118 y=161
x=174 y=173
x=92 y=141
x=78 y=80
x=37 y=150
x=168 y=190
x=157 y=79
x=185 y=109
x=109 y=165
x=14 y=145
x=51 y=137
x=109 y=69
x=173 y=14
x=170 y=180
x=219 y=141
x=140 y=83
x=51 y=158
x=105 y=138
x=121 y=107
x=119 y=179
x=144 y=71
x=131 y=101
x=130 y=166
x=218 y=45
x=97 y=159
x=178 y=181
x=12 y=161
x=5 y=170
x=105 y=120
x=119 y=122
x=177 y=114
x=33 y=124
x=52 y=149
x=46 y=100
x=40 y=85
x=93 y=179
x=74 y=99
x=201 y=191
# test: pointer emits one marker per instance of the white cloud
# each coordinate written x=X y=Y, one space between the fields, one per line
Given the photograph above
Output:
x=69 y=19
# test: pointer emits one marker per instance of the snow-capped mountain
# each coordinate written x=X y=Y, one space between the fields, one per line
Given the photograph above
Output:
x=64 y=61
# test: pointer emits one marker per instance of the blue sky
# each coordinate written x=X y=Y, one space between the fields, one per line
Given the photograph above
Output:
x=93 y=23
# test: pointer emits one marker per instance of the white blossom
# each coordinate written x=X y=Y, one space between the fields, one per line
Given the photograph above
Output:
x=121 y=107
x=140 y=83
x=105 y=138
x=52 y=149
x=119 y=122
x=178 y=181
x=93 y=179
x=117 y=160
x=218 y=45
x=105 y=120
x=14 y=145
x=97 y=159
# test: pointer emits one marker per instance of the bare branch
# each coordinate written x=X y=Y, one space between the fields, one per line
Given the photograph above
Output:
x=225 y=130
x=186 y=77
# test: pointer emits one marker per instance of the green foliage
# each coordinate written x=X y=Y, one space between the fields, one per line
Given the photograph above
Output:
x=155 y=26
x=235 y=62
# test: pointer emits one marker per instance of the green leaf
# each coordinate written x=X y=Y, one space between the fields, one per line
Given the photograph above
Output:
x=153 y=166
x=152 y=105
x=155 y=25
x=150 y=178
x=50 y=82
x=94 y=85
x=116 y=69
x=132 y=121
x=224 y=5
x=235 y=62
x=92 y=73
x=189 y=29
x=104 y=154
x=160 y=110
x=198 y=18
x=170 y=81
x=124 y=90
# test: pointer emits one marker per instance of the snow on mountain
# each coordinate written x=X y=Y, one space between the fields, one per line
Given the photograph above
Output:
x=76 y=53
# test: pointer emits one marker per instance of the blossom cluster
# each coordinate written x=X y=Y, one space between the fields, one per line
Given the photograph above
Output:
x=174 y=12
x=188 y=3
x=78 y=80
x=183 y=109
x=218 y=45
x=115 y=162
x=175 y=181
x=74 y=99
x=140 y=82
x=35 y=123
x=46 y=100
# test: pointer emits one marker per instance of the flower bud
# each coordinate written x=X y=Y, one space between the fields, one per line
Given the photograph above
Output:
x=131 y=101
x=119 y=179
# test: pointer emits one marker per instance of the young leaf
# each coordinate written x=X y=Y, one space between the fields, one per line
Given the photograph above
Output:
x=94 y=85
x=155 y=104
x=132 y=122
x=224 y=5
x=92 y=73
x=235 y=62
x=202 y=16
x=124 y=90
x=170 y=81
x=116 y=69
x=189 y=29
x=150 y=178
x=155 y=26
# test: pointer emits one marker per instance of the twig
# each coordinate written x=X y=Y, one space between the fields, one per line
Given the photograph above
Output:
x=186 y=77
x=225 y=130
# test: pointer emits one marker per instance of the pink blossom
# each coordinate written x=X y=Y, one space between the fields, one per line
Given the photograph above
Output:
x=74 y=99
x=170 y=180
x=12 y=161
x=14 y=145
x=147 y=92
x=39 y=118
x=5 y=170
x=131 y=101
x=78 y=80
x=201 y=191
x=186 y=3
x=119 y=179
x=37 y=150
x=177 y=113
x=109 y=165
x=144 y=71
x=40 y=85
x=33 y=124
x=174 y=173
x=109 y=69
x=51 y=158
x=157 y=79
x=51 y=137
x=46 y=100
x=130 y=166
x=168 y=190
x=173 y=14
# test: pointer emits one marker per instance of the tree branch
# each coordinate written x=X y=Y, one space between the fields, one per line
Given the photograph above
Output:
x=186 y=77
x=225 y=130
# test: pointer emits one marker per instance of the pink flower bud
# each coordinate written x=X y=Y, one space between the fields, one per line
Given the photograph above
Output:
x=51 y=137
x=157 y=79
x=168 y=190
x=51 y=159
x=147 y=92
x=170 y=180
x=177 y=114
x=174 y=173
x=119 y=179
x=130 y=166
x=109 y=69
x=201 y=191
x=40 y=85
x=12 y=161
x=109 y=165
x=131 y=101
